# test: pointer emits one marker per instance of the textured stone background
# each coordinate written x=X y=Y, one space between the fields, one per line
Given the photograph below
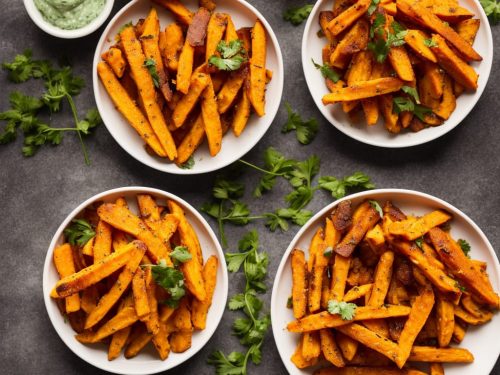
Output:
x=37 y=193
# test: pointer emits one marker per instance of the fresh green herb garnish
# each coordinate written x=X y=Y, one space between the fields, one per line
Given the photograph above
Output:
x=430 y=43
x=251 y=329
x=60 y=84
x=232 y=55
x=384 y=41
x=339 y=188
x=420 y=242
x=180 y=254
x=492 y=10
x=305 y=130
x=373 y=7
x=347 y=311
x=298 y=15
x=189 y=164
x=327 y=71
x=465 y=246
x=150 y=65
x=289 y=303
x=328 y=252
x=79 y=232
x=170 y=279
x=377 y=207
x=411 y=91
x=401 y=104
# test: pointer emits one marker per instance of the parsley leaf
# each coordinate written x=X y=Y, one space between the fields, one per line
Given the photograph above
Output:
x=327 y=71
x=339 y=187
x=492 y=10
x=377 y=207
x=181 y=254
x=347 y=311
x=465 y=246
x=298 y=15
x=250 y=329
x=411 y=91
x=420 y=242
x=430 y=43
x=373 y=7
x=170 y=279
x=305 y=130
x=276 y=164
x=79 y=232
x=232 y=55
x=150 y=65
x=381 y=46
x=401 y=104
x=328 y=252
x=189 y=164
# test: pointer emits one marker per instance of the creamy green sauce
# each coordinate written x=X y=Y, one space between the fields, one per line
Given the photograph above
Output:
x=70 y=14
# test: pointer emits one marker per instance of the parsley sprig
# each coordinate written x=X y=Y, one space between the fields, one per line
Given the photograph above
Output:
x=79 y=232
x=297 y=15
x=340 y=187
x=465 y=246
x=410 y=103
x=150 y=65
x=346 y=310
x=60 y=84
x=382 y=40
x=232 y=55
x=305 y=130
x=327 y=71
x=492 y=10
x=170 y=278
x=252 y=328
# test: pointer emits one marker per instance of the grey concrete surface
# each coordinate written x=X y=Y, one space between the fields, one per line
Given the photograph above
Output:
x=37 y=193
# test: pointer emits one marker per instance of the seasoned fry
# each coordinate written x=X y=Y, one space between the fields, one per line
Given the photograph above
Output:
x=199 y=309
x=230 y=89
x=413 y=229
x=362 y=90
x=415 y=39
x=185 y=68
x=445 y=320
x=63 y=260
x=298 y=358
x=358 y=292
x=211 y=119
x=102 y=242
x=191 y=141
x=140 y=294
x=114 y=58
x=118 y=342
x=139 y=338
x=257 y=80
x=324 y=319
x=96 y=272
x=180 y=341
x=355 y=40
x=299 y=284
x=351 y=370
x=241 y=114
x=430 y=354
x=183 y=14
x=348 y=17
x=215 y=32
x=311 y=346
x=152 y=322
x=199 y=81
x=330 y=349
x=467 y=29
x=170 y=47
x=160 y=341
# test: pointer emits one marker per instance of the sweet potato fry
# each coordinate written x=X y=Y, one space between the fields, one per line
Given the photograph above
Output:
x=426 y=18
x=436 y=275
x=357 y=292
x=448 y=103
x=215 y=32
x=230 y=89
x=391 y=118
x=324 y=319
x=330 y=349
x=461 y=267
x=199 y=81
x=180 y=341
x=109 y=299
x=347 y=345
x=199 y=309
x=211 y=119
x=171 y=47
x=153 y=321
x=182 y=316
x=160 y=341
x=340 y=270
x=192 y=268
x=103 y=241
x=241 y=114
x=364 y=219
x=467 y=29
x=436 y=369
x=311 y=346
x=89 y=276
x=144 y=82
x=298 y=358
x=355 y=40
x=191 y=141
x=299 y=283
x=348 y=17
x=468 y=318
x=411 y=230
x=128 y=108
x=256 y=88
x=89 y=299
x=362 y=90
x=451 y=13
x=445 y=320
x=140 y=294
x=415 y=39
x=63 y=260
x=139 y=338
x=118 y=342
x=231 y=33
x=114 y=58
x=316 y=276
x=371 y=339
x=459 y=332
x=185 y=68
x=183 y=14
x=123 y=319
x=420 y=311
x=440 y=355
x=352 y=370
x=382 y=279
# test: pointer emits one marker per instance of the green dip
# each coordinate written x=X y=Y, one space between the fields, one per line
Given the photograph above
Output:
x=70 y=14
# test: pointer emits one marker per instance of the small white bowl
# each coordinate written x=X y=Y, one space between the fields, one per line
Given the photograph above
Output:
x=481 y=341
x=233 y=148
x=377 y=135
x=147 y=362
x=38 y=19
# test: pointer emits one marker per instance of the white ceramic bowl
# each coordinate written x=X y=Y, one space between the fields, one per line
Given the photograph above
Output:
x=377 y=135
x=481 y=341
x=147 y=362
x=233 y=148
x=38 y=19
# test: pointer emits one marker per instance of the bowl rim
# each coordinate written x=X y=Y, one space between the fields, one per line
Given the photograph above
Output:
x=414 y=141
x=364 y=194
x=251 y=143
x=46 y=26
x=70 y=342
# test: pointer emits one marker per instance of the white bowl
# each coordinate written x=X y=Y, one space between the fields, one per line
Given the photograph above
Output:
x=481 y=341
x=38 y=19
x=147 y=362
x=233 y=148
x=377 y=135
